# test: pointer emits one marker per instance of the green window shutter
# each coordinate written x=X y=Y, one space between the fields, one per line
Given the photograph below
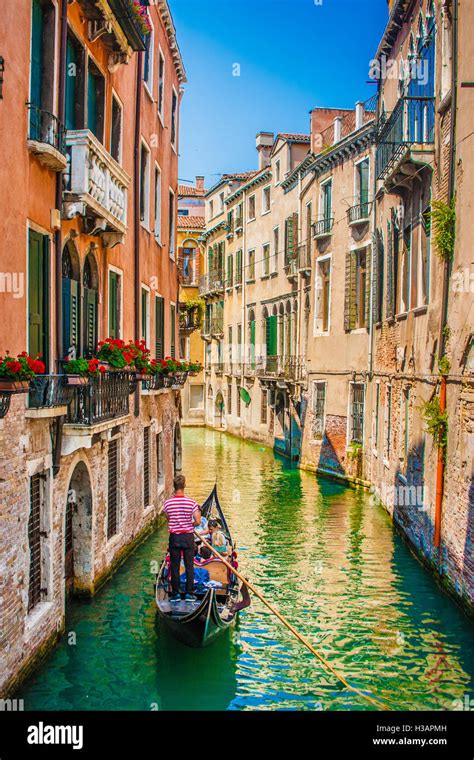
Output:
x=70 y=316
x=159 y=327
x=90 y=321
x=36 y=55
x=144 y=314
x=272 y=336
x=390 y=308
x=350 y=292
x=252 y=342
x=368 y=283
x=38 y=327
x=173 y=332
x=71 y=79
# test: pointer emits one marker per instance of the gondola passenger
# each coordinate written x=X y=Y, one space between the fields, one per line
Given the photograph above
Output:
x=218 y=539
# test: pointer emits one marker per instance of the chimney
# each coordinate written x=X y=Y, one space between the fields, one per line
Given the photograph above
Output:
x=264 y=143
x=359 y=114
x=200 y=183
x=337 y=129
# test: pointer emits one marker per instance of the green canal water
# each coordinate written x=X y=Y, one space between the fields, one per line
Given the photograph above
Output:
x=324 y=555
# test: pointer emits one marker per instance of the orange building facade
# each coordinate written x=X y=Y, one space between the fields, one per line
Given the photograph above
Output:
x=89 y=129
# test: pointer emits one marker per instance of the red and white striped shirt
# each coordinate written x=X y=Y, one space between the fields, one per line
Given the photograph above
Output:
x=180 y=510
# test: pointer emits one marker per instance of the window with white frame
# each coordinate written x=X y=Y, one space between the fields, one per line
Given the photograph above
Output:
x=276 y=246
x=172 y=222
x=251 y=266
x=221 y=203
x=375 y=434
x=251 y=208
x=174 y=118
x=325 y=201
x=157 y=203
x=211 y=209
x=266 y=260
x=144 y=184
x=116 y=130
x=266 y=200
x=148 y=61
x=356 y=431
x=277 y=170
x=145 y=315
x=161 y=84
x=319 y=406
x=322 y=295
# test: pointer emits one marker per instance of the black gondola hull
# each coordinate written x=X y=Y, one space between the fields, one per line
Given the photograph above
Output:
x=200 y=627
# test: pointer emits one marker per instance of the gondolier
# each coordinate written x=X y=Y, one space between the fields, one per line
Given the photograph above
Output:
x=183 y=515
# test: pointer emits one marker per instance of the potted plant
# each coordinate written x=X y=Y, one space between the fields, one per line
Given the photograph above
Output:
x=114 y=354
x=79 y=371
x=194 y=368
x=140 y=358
x=16 y=372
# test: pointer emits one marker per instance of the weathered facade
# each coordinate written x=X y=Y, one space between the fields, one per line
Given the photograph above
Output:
x=337 y=325
x=91 y=239
x=190 y=226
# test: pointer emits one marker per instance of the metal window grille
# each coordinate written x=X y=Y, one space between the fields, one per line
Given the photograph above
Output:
x=113 y=493
x=159 y=458
x=319 y=400
x=68 y=539
x=34 y=541
x=264 y=409
x=229 y=398
x=146 y=466
x=357 y=417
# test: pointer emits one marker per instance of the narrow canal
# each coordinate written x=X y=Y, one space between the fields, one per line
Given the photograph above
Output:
x=325 y=556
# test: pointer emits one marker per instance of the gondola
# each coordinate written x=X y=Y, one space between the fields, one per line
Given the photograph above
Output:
x=199 y=623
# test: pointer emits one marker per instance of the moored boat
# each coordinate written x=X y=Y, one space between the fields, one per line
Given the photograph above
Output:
x=198 y=623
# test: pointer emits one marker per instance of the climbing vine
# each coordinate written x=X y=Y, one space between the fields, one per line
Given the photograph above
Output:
x=197 y=306
x=436 y=422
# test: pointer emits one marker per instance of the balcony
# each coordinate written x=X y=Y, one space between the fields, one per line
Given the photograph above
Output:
x=105 y=398
x=48 y=396
x=117 y=23
x=281 y=368
x=96 y=188
x=46 y=138
x=323 y=228
x=359 y=214
x=163 y=383
x=130 y=23
x=218 y=368
x=404 y=139
x=212 y=283
x=189 y=319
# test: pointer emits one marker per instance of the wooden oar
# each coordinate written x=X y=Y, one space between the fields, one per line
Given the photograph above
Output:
x=293 y=630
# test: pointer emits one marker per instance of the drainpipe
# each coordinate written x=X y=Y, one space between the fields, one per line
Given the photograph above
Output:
x=440 y=469
x=59 y=187
x=136 y=214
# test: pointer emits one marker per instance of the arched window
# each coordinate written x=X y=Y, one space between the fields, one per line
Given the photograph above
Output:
x=90 y=299
x=71 y=300
x=187 y=262
x=251 y=338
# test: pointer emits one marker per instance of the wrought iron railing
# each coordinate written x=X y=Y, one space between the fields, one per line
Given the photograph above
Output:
x=411 y=121
x=349 y=124
x=48 y=392
x=104 y=398
x=212 y=282
x=323 y=227
x=360 y=212
x=45 y=127
x=189 y=319
x=284 y=367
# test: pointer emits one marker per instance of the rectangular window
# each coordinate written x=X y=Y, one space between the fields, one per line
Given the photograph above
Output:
x=266 y=200
x=237 y=405
x=357 y=284
x=325 y=208
x=239 y=344
x=276 y=247
x=323 y=296
x=251 y=208
x=41 y=100
x=238 y=267
x=388 y=422
x=157 y=204
x=378 y=276
x=264 y=408
x=173 y=331
x=146 y=466
x=74 y=100
x=95 y=100
x=309 y=215
x=38 y=295
x=251 y=267
x=362 y=187
x=161 y=85
x=319 y=404
x=266 y=260
x=361 y=289
x=116 y=130
x=239 y=217
x=221 y=203
x=115 y=300
x=145 y=316
x=148 y=62
x=196 y=396
x=376 y=417
x=211 y=209
x=35 y=539
x=159 y=327
x=291 y=238
x=229 y=399
x=230 y=271
x=230 y=348
x=144 y=185
x=172 y=223
x=277 y=170
x=113 y=494
x=174 y=118
x=405 y=427
x=405 y=272
x=160 y=470
x=357 y=413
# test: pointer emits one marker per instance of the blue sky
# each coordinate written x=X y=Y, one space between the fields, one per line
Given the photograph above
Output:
x=293 y=55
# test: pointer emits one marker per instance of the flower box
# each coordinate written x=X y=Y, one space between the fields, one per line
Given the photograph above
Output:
x=8 y=385
x=77 y=380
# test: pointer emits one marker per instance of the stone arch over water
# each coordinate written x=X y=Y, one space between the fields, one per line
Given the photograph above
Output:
x=78 y=520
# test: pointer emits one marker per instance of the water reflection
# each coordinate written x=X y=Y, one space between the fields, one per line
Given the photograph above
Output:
x=325 y=556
